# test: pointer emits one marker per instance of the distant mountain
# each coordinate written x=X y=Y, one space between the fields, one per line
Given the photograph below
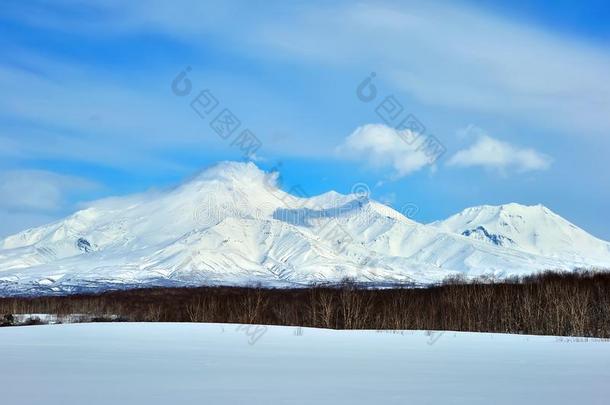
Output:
x=532 y=229
x=232 y=225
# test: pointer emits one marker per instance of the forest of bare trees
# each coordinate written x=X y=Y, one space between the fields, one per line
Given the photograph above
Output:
x=563 y=304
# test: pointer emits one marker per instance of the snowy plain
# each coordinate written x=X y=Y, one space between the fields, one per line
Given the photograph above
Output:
x=161 y=363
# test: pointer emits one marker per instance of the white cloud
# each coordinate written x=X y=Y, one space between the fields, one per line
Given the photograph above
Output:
x=381 y=146
x=493 y=153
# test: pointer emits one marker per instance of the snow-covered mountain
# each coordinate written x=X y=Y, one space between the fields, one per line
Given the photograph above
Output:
x=533 y=229
x=231 y=224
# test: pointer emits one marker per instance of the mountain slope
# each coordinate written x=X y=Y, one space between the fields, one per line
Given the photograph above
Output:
x=232 y=225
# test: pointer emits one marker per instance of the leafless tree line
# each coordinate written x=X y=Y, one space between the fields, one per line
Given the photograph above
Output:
x=563 y=304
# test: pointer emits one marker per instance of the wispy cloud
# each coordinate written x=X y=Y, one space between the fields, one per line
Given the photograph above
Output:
x=494 y=66
x=53 y=109
x=459 y=57
x=38 y=190
x=34 y=197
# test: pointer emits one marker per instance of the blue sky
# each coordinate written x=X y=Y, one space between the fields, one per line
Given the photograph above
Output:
x=517 y=93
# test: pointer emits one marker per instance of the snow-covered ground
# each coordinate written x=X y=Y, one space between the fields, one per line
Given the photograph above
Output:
x=156 y=363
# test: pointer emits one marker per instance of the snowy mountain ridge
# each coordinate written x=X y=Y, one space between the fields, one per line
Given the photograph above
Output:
x=232 y=225
x=533 y=229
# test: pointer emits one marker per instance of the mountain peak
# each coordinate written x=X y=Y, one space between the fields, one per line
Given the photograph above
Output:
x=236 y=172
x=509 y=207
x=531 y=228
